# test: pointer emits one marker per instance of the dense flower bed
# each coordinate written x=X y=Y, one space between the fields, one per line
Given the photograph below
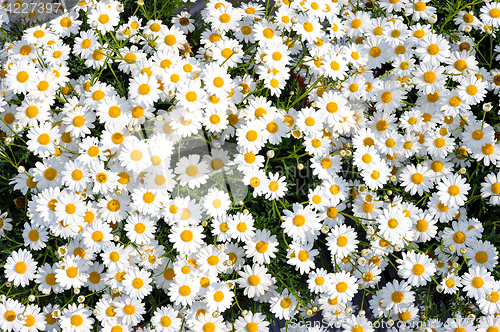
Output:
x=249 y=163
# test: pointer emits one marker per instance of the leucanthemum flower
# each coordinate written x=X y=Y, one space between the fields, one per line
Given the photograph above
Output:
x=451 y=283
x=251 y=322
x=393 y=224
x=262 y=247
x=388 y=97
x=433 y=49
x=376 y=174
x=241 y=227
x=481 y=253
x=452 y=190
x=342 y=241
x=490 y=14
x=129 y=310
x=35 y=236
x=192 y=171
x=417 y=268
x=477 y=282
x=458 y=235
x=113 y=208
x=144 y=89
x=254 y=279
x=187 y=239
x=216 y=202
x=104 y=180
x=283 y=305
x=106 y=17
x=397 y=296
x=252 y=136
x=219 y=297
x=140 y=228
x=22 y=76
x=429 y=78
x=416 y=179
x=491 y=188
x=20 y=268
x=471 y=89
x=343 y=287
x=137 y=283
x=276 y=187
x=301 y=223
x=97 y=235
x=165 y=319
x=424 y=227
x=69 y=208
x=41 y=139
x=72 y=273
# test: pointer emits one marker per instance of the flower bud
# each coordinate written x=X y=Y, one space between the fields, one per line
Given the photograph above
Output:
x=56 y=313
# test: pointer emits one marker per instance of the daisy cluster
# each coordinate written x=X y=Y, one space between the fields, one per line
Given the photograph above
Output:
x=130 y=222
